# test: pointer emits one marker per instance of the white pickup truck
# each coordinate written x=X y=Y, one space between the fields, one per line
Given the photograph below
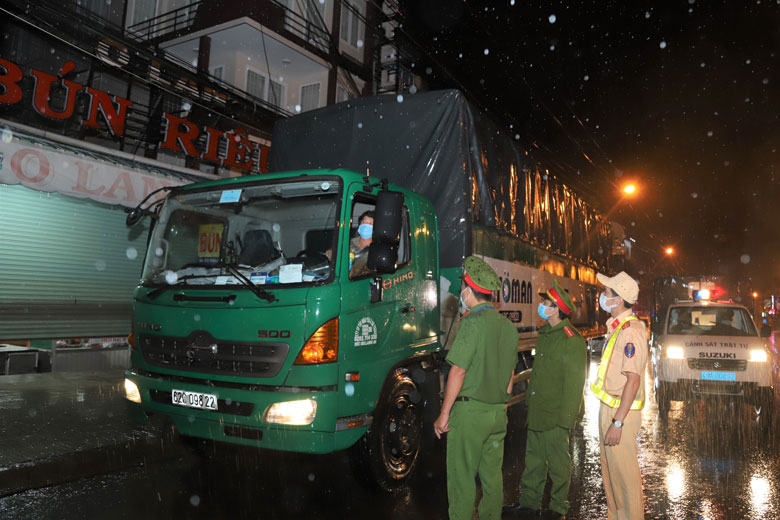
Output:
x=711 y=349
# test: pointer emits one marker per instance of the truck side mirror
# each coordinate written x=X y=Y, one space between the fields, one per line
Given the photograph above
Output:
x=382 y=257
x=383 y=251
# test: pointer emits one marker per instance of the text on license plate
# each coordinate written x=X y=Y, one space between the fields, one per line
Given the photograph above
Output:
x=194 y=399
x=719 y=376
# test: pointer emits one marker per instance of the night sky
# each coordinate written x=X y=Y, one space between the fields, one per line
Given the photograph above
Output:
x=681 y=97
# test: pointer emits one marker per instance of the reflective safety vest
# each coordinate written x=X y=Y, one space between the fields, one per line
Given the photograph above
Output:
x=597 y=387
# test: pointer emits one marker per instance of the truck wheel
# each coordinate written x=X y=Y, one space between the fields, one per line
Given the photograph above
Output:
x=662 y=399
x=385 y=456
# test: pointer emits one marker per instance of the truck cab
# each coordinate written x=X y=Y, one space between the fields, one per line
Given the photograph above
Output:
x=252 y=326
x=707 y=349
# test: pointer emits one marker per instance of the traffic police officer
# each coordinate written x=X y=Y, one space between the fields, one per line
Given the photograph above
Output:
x=483 y=357
x=620 y=385
x=555 y=404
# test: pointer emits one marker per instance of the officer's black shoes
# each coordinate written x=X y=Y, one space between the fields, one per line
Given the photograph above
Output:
x=518 y=511
x=552 y=515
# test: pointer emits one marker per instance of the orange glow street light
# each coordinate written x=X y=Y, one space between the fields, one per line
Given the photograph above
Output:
x=669 y=251
x=629 y=189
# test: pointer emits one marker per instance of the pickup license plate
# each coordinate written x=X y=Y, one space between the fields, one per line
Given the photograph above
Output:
x=194 y=399
x=719 y=376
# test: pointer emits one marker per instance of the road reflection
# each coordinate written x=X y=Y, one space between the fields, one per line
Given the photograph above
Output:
x=707 y=460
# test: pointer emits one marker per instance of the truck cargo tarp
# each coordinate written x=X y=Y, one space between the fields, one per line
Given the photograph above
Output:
x=437 y=144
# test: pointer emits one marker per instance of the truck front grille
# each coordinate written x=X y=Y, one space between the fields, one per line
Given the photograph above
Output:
x=731 y=365
x=201 y=352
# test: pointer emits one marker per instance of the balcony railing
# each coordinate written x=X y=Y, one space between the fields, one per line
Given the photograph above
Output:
x=205 y=13
x=166 y=23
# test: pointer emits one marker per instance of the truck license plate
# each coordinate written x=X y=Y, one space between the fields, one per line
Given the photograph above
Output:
x=194 y=399
x=719 y=376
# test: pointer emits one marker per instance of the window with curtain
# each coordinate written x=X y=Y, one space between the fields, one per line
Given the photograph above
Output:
x=255 y=84
x=310 y=97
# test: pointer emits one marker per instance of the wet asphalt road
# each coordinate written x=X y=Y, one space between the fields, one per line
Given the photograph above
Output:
x=707 y=461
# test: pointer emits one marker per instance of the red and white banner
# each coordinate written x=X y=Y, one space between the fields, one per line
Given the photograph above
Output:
x=43 y=169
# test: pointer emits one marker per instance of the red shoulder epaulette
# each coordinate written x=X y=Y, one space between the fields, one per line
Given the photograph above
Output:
x=568 y=331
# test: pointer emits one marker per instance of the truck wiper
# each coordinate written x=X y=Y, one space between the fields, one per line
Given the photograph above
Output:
x=157 y=291
x=261 y=293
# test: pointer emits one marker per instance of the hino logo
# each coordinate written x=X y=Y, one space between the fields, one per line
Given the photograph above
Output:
x=718 y=355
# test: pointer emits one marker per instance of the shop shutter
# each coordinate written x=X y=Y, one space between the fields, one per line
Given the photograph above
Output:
x=68 y=266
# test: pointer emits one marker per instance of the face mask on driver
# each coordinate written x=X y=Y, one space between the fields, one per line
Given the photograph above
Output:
x=365 y=231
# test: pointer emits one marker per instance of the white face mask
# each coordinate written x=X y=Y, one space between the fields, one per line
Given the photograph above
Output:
x=603 y=302
x=463 y=307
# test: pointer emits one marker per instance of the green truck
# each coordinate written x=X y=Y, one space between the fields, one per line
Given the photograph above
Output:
x=257 y=321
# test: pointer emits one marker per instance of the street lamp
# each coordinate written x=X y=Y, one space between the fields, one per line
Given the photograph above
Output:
x=629 y=189
x=669 y=251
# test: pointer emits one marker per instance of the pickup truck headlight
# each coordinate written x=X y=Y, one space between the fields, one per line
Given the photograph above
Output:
x=758 y=354
x=675 y=353
x=295 y=413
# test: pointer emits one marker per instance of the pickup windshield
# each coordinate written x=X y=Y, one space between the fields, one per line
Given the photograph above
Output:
x=710 y=321
x=272 y=233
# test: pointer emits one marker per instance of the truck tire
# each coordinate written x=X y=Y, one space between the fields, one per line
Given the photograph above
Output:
x=384 y=458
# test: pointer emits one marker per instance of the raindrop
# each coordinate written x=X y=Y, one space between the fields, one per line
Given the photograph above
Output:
x=709 y=134
x=108 y=2
x=51 y=51
x=349 y=389
x=158 y=251
x=747 y=100
x=100 y=265
x=552 y=47
x=195 y=500
x=412 y=90
x=701 y=64
x=228 y=401
x=647 y=15
x=694 y=194
x=400 y=98
x=747 y=61
x=517 y=137
x=32 y=412
x=393 y=427
x=359 y=43
x=487 y=51
x=661 y=215
x=311 y=477
x=171 y=277
x=429 y=70
x=552 y=18
x=726 y=163
x=745 y=259
x=586 y=78
x=662 y=45
x=297 y=108
x=511 y=2
x=765 y=81
x=360 y=125
x=132 y=253
x=6 y=135
x=196 y=317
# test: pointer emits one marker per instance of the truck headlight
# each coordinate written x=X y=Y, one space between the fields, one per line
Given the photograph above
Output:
x=296 y=413
x=758 y=354
x=675 y=353
x=131 y=391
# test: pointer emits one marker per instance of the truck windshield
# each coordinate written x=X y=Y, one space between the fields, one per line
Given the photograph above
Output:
x=271 y=233
x=710 y=321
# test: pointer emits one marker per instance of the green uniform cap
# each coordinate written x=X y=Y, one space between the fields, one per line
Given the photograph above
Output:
x=559 y=297
x=481 y=274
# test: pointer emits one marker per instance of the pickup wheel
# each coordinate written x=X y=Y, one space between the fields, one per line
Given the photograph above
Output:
x=662 y=399
x=764 y=409
x=384 y=458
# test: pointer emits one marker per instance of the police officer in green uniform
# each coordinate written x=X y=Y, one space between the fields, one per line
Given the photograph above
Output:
x=555 y=404
x=483 y=357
